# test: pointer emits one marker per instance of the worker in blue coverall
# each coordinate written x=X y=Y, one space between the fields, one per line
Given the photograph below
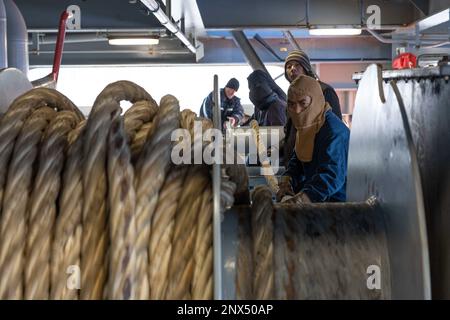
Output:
x=230 y=105
x=317 y=171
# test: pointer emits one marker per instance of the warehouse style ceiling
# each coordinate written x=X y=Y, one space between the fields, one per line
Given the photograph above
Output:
x=207 y=25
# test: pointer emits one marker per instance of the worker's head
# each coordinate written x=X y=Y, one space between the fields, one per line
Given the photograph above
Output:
x=306 y=107
x=305 y=96
x=296 y=64
x=231 y=88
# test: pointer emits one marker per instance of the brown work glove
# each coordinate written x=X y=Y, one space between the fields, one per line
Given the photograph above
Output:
x=285 y=188
x=299 y=198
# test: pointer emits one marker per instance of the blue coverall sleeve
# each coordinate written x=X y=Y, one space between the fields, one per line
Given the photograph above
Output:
x=295 y=171
x=206 y=108
x=331 y=173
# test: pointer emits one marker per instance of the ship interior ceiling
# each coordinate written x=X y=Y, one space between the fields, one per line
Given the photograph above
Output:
x=208 y=24
x=387 y=62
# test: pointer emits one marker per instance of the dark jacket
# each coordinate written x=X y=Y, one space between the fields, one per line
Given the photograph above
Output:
x=229 y=107
x=324 y=179
x=330 y=97
x=268 y=98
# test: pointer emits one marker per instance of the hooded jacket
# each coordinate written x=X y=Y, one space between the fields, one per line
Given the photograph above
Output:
x=318 y=167
x=268 y=98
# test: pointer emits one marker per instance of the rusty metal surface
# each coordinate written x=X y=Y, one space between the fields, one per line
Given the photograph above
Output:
x=383 y=163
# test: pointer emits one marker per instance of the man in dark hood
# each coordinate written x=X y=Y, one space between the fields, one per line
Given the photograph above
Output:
x=296 y=64
x=268 y=98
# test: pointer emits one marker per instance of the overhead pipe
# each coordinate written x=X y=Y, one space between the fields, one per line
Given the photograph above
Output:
x=3 y=43
x=17 y=38
x=437 y=45
x=74 y=38
x=159 y=13
x=249 y=52
x=380 y=38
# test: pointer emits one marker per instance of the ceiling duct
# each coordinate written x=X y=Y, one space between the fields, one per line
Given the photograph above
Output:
x=159 y=13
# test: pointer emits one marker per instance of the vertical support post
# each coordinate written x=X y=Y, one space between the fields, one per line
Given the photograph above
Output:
x=216 y=200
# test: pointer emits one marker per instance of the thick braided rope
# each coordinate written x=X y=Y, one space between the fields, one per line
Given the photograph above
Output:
x=124 y=90
x=95 y=222
x=244 y=263
x=262 y=237
x=122 y=222
x=202 y=279
x=181 y=266
x=285 y=263
x=95 y=219
x=137 y=144
x=138 y=123
x=265 y=164
x=187 y=118
x=12 y=122
x=13 y=220
x=202 y=283
x=66 y=247
x=161 y=237
x=140 y=113
x=42 y=209
x=151 y=170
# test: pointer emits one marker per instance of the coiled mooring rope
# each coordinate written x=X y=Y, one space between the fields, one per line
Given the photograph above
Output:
x=21 y=131
x=42 y=212
x=102 y=197
x=66 y=248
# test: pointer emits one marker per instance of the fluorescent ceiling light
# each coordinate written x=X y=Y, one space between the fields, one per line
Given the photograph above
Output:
x=335 y=32
x=133 y=41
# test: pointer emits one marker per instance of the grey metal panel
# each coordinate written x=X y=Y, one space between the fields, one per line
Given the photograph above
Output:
x=112 y=14
x=13 y=83
x=238 y=13
x=382 y=163
x=334 y=12
x=3 y=43
x=426 y=95
x=427 y=104
x=230 y=242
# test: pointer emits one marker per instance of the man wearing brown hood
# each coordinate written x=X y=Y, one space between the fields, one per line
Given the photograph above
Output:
x=297 y=63
x=317 y=171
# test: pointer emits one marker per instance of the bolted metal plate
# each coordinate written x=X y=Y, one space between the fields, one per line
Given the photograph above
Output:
x=383 y=163
x=13 y=83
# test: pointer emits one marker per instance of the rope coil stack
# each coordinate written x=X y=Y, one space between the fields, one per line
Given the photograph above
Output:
x=102 y=195
x=95 y=209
